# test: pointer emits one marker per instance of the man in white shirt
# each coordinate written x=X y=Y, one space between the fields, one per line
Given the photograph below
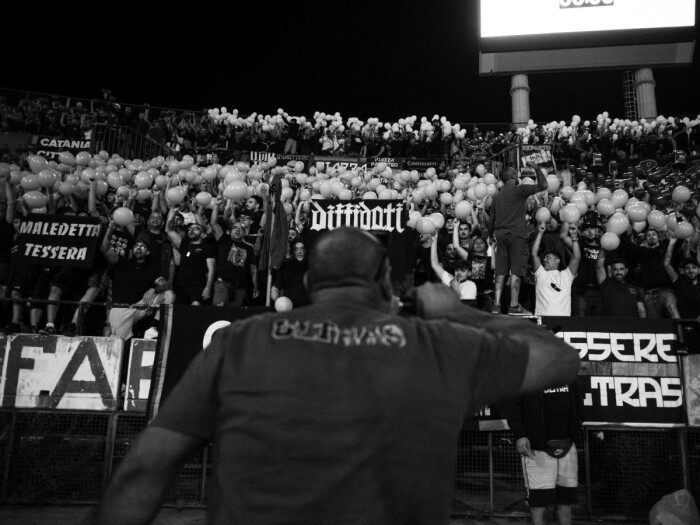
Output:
x=460 y=282
x=553 y=286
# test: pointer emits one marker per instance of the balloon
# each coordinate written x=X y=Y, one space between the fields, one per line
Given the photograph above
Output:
x=143 y=180
x=605 y=207
x=236 y=191
x=283 y=304
x=567 y=192
x=480 y=190
x=553 y=183
x=446 y=198
x=656 y=219
x=67 y=158
x=438 y=219
x=47 y=178
x=82 y=158
x=618 y=223
x=143 y=195
x=672 y=222
x=681 y=194
x=385 y=195
x=35 y=199
x=88 y=175
x=203 y=198
x=480 y=170
x=176 y=195
x=123 y=216
x=637 y=213
x=609 y=241
x=542 y=214
x=66 y=189
x=370 y=195
x=425 y=226
x=619 y=198
x=123 y=192
x=115 y=180
x=570 y=213
x=463 y=209
x=101 y=188
x=684 y=230
x=413 y=217
x=37 y=163
x=30 y=182
x=603 y=193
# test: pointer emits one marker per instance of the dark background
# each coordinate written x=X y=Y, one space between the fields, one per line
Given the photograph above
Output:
x=362 y=59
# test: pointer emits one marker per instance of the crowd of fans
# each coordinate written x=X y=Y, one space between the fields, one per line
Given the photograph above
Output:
x=178 y=231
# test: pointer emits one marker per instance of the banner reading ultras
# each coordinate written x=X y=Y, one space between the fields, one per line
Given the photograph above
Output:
x=58 y=240
x=372 y=215
x=629 y=371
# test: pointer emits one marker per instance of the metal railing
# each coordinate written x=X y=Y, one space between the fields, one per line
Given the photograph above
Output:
x=125 y=142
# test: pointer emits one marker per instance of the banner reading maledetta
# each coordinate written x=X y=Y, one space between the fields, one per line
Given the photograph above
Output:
x=58 y=240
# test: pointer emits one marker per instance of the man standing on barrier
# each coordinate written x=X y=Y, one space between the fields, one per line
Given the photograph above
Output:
x=345 y=410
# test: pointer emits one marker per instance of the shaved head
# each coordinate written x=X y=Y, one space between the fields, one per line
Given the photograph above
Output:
x=346 y=257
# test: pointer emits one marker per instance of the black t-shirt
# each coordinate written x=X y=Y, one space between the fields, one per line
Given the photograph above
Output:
x=289 y=280
x=688 y=297
x=555 y=412
x=482 y=273
x=620 y=299
x=233 y=261
x=132 y=279
x=587 y=277
x=193 y=263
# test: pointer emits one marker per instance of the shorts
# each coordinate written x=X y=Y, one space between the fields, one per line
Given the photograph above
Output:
x=21 y=279
x=551 y=481
x=225 y=294
x=42 y=284
x=122 y=320
x=512 y=255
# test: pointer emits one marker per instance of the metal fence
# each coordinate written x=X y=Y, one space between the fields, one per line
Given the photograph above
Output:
x=49 y=457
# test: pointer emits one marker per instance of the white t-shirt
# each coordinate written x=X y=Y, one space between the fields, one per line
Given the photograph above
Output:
x=553 y=291
x=467 y=289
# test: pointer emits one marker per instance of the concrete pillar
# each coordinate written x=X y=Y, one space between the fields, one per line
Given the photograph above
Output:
x=644 y=85
x=520 y=99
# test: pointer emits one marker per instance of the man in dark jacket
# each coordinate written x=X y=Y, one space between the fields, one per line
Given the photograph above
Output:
x=546 y=426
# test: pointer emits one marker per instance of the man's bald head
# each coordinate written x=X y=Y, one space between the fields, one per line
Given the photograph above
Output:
x=346 y=257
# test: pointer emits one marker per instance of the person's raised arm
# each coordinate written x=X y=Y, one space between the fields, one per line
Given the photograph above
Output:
x=541 y=177
x=672 y=274
x=536 y=263
x=216 y=227
x=576 y=257
x=600 y=273
x=551 y=361
x=170 y=230
x=106 y=246
x=434 y=262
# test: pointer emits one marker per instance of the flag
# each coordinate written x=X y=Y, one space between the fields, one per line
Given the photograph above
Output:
x=276 y=229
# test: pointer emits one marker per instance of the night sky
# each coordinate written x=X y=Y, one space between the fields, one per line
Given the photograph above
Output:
x=362 y=59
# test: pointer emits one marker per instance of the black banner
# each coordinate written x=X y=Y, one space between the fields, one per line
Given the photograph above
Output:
x=58 y=240
x=184 y=331
x=50 y=147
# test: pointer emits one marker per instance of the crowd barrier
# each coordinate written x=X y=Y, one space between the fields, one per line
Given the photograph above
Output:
x=72 y=406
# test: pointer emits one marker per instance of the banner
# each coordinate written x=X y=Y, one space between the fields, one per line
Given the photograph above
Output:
x=58 y=240
x=142 y=356
x=63 y=373
x=50 y=147
x=540 y=155
x=630 y=373
x=184 y=331
x=325 y=164
x=421 y=165
x=282 y=158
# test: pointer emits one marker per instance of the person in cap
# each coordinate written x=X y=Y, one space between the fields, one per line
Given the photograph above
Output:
x=553 y=286
x=585 y=291
x=344 y=411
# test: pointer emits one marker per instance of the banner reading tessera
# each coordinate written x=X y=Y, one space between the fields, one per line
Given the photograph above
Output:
x=58 y=240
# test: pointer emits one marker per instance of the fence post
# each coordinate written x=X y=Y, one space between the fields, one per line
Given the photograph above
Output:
x=109 y=448
x=8 y=455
